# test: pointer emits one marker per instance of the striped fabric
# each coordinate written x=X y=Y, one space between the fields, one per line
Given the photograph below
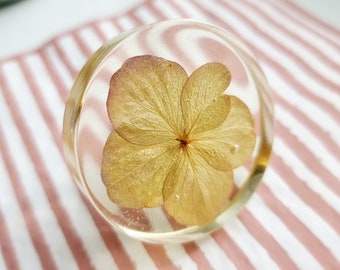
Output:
x=291 y=222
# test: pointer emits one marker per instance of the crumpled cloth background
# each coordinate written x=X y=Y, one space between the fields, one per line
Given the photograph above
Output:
x=291 y=222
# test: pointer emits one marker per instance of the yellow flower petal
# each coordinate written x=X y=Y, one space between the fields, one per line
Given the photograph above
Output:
x=214 y=153
x=202 y=88
x=236 y=136
x=194 y=192
x=143 y=102
x=134 y=174
x=213 y=115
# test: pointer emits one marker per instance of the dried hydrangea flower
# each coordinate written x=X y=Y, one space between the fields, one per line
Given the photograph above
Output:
x=176 y=138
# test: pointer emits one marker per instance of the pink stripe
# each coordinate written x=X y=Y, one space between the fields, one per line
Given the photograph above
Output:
x=300 y=88
x=266 y=239
x=65 y=224
x=306 y=16
x=84 y=48
x=304 y=66
x=99 y=32
x=64 y=58
x=42 y=105
x=134 y=18
x=309 y=159
x=298 y=19
x=116 y=25
x=308 y=196
x=327 y=141
x=300 y=230
x=322 y=57
x=197 y=255
x=32 y=224
x=231 y=248
x=53 y=74
x=159 y=256
x=6 y=245
x=111 y=240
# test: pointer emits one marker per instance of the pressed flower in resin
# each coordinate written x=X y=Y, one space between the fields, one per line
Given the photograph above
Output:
x=176 y=138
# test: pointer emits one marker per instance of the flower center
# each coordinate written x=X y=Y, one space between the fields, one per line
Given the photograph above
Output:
x=183 y=142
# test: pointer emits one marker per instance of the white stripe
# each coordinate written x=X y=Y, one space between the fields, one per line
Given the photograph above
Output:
x=2 y=262
x=311 y=142
x=126 y=23
x=137 y=253
x=215 y=254
x=65 y=188
x=311 y=180
x=62 y=71
x=72 y=51
x=46 y=87
x=323 y=31
x=274 y=226
x=166 y=9
x=145 y=15
x=108 y=29
x=311 y=110
x=292 y=45
x=13 y=217
x=102 y=128
x=313 y=39
x=91 y=175
x=29 y=180
x=158 y=219
x=90 y=38
x=187 y=7
x=93 y=242
x=304 y=213
x=178 y=256
x=256 y=253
